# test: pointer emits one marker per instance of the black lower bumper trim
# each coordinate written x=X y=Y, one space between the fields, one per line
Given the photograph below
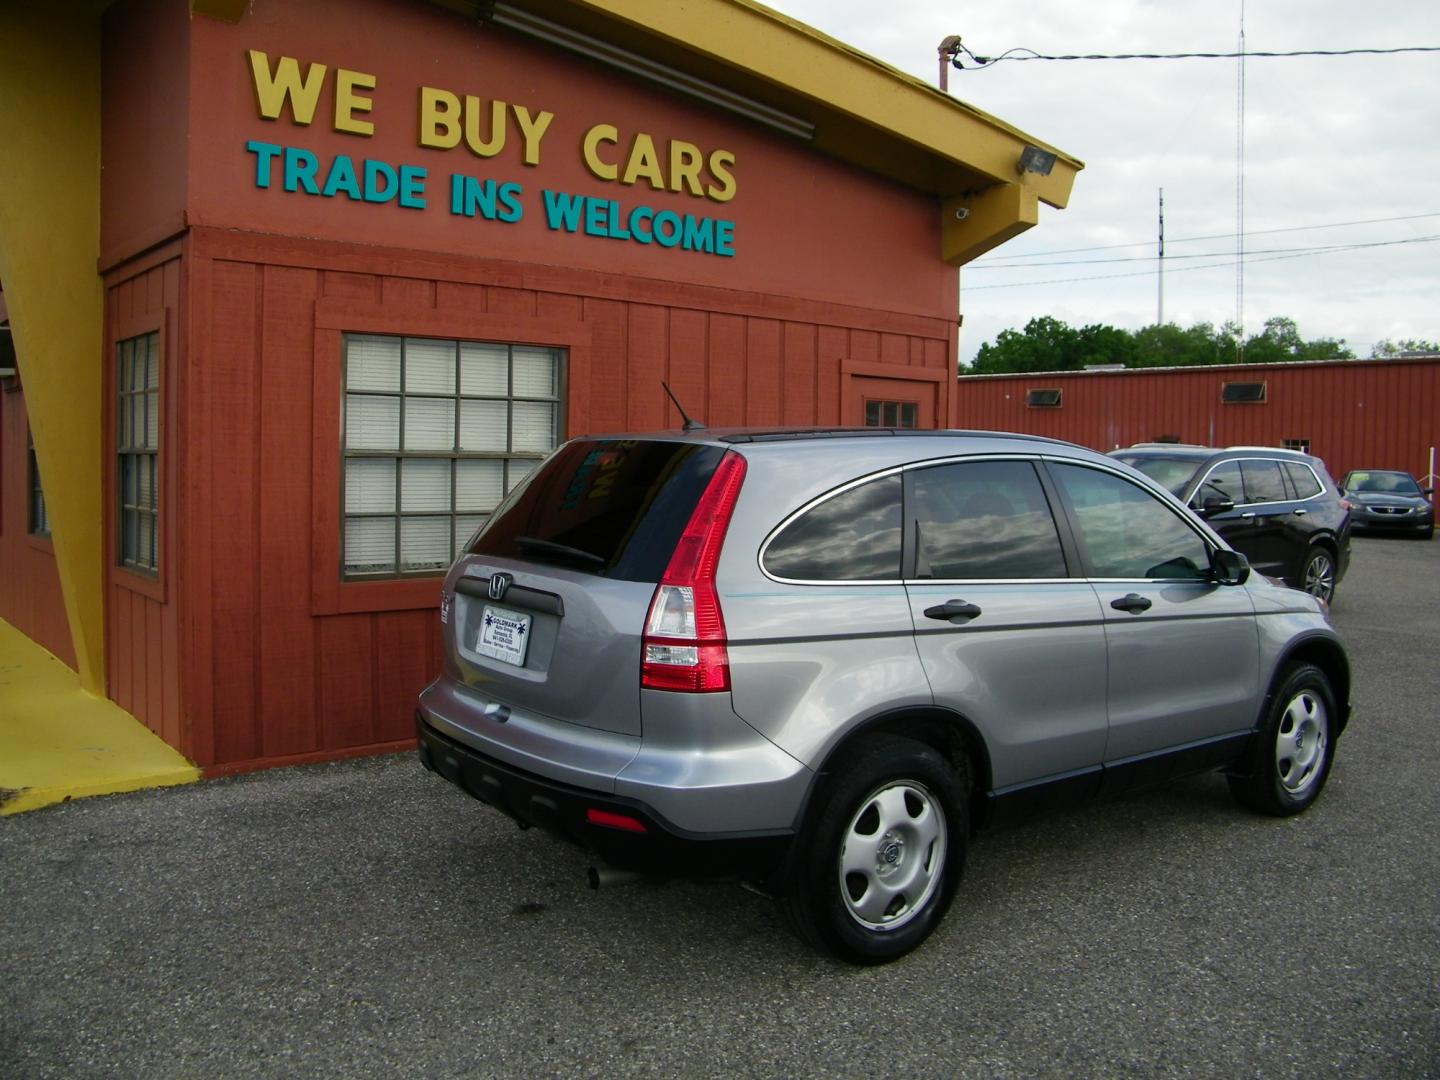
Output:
x=561 y=809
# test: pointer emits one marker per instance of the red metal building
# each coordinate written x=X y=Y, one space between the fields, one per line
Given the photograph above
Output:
x=1352 y=413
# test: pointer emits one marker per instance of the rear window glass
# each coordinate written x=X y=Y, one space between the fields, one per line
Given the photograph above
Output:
x=1171 y=473
x=1302 y=480
x=611 y=507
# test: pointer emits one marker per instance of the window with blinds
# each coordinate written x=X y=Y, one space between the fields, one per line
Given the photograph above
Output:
x=891 y=414
x=435 y=434
x=38 y=517
x=137 y=436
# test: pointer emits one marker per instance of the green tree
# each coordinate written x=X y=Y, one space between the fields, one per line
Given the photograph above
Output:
x=1386 y=349
x=1046 y=344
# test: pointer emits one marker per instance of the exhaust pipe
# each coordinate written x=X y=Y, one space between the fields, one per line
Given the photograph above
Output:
x=608 y=877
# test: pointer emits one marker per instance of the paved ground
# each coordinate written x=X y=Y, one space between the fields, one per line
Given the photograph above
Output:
x=364 y=919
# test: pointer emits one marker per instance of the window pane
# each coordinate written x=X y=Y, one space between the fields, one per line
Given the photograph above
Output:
x=135 y=435
x=372 y=423
x=145 y=551
x=478 y=484
x=482 y=425
x=152 y=361
x=144 y=495
x=534 y=426
x=370 y=486
x=429 y=424
x=152 y=420
x=369 y=545
x=425 y=485
x=372 y=363
x=424 y=543
x=872 y=414
x=1127 y=531
x=129 y=535
x=534 y=372
x=483 y=369
x=854 y=536
x=1263 y=481
x=1302 y=480
x=465 y=526
x=519 y=469
x=429 y=366
x=985 y=520
x=1222 y=483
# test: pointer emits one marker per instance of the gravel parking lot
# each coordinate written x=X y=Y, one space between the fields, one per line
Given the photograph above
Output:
x=365 y=918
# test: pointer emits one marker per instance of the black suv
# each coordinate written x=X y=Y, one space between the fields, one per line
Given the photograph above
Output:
x=1280 y=508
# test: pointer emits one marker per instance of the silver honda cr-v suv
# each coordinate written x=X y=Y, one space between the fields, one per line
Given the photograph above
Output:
x=818 y=659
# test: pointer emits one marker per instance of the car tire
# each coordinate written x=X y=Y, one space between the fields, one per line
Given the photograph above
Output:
x=1291 y=757
x=1428 y=534
x=1317 y=576
x=876 y=863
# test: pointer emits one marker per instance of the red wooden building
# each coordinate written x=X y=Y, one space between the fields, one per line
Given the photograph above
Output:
x=1355 y=414
x=363 y=262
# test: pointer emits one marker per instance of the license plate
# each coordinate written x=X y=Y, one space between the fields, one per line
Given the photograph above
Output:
x=504 y=635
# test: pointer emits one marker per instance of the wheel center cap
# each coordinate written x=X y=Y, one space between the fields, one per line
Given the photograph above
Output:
x=890 y=851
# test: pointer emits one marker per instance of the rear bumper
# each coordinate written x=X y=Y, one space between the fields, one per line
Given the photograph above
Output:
x=564 y=810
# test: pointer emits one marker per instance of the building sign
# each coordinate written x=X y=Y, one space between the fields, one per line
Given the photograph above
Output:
x=483 y=129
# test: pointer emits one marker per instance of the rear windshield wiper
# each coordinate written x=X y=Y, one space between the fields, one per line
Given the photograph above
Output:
x=549 y=547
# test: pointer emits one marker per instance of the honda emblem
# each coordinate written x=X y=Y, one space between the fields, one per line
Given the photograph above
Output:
x=498 y=584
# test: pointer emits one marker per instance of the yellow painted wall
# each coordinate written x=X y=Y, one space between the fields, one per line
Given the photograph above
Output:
x=49 y=244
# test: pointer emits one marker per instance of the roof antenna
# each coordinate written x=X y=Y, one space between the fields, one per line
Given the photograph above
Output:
x=689 y=425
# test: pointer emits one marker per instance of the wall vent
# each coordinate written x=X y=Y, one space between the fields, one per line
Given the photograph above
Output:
x=1043 y=399
x=1243 y=393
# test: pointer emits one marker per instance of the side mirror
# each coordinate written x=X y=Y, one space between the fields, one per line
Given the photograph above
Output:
x=1215 y=504
x=1229 y=567
x=1427 y=492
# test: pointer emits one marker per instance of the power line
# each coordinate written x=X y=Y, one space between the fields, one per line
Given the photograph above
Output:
x=1229 y=262
x=1213 y=236
x=1021 y=53
x=1311 y=249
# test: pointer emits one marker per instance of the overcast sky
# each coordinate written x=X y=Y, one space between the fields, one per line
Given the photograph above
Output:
x=1328 y=141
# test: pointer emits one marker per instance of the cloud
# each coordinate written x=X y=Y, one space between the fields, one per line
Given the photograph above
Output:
x=1327 y=141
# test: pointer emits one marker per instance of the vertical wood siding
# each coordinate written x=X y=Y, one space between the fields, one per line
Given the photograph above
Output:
x=142 y=617
x=277 y=682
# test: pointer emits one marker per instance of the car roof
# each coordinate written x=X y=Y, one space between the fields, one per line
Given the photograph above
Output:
x=1190 y=450
x=731 y=436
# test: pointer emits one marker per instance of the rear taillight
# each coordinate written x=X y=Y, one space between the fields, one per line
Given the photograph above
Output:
x=683 y=647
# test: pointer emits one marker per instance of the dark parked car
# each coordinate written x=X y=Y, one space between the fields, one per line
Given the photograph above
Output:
x=1387 y=500
x=1279 y=508
x=815 y=658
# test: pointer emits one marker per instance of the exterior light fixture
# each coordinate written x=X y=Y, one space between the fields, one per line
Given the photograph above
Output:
x=1035 y=160
x=514 y=18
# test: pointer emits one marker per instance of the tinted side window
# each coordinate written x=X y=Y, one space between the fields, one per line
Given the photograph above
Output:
x=984 y=519
x=1222 y=483
x=854 y=536
x=1302 y=480
x=1263 y=481
x=1127 y=532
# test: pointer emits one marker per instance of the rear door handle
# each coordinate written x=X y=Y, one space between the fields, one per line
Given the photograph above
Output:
x=1134 y=603
x=1248 y=515
x=952 y=610
x=1299 y=513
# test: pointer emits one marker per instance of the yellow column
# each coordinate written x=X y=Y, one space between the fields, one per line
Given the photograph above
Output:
x=49 y=245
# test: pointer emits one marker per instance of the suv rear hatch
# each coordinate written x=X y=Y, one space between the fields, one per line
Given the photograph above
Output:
x=574 y=554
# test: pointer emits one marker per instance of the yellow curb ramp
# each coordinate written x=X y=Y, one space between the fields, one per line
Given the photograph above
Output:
x=58 y=742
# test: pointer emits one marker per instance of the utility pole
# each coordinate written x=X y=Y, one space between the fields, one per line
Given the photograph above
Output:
x=1160 y=299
